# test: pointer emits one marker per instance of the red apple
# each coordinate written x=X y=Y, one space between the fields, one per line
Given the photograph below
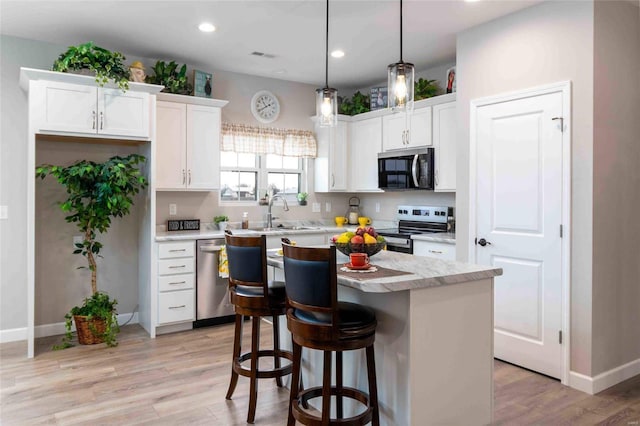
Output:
x=360 y=231
x=357 y=239
x=371 y=231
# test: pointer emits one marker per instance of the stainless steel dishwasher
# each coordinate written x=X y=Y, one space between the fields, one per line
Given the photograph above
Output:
x=212 y=291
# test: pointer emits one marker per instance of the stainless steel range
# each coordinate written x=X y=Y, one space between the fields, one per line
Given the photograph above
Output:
x=414 y=220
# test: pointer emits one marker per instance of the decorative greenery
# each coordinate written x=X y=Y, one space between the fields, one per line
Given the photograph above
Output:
x=302 y=198
x=106 y=64
x=426 y=89
x=358 y=104
x=173 y=80
x=221 y=218
x=98 y=306
x=97 y=192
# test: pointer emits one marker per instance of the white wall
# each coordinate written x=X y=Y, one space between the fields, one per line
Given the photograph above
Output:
x=616 y=176
x=543 y=44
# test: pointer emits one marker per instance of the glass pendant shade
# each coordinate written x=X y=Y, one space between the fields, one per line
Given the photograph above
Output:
x=400 y=86
x=327 y=106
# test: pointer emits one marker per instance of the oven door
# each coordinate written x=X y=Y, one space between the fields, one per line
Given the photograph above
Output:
x=399 y=244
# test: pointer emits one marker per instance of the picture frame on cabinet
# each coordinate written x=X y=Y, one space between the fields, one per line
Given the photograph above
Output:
x=202 y=84
x=451 y=80
x=378 y=98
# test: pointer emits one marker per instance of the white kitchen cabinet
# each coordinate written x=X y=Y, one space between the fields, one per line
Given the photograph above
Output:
x=68 y=108
x=401 y=131
x=330 y=165
x=176 y=282
x=444 y=143
x=434 y=249
x=365 y=142
x=188 y=144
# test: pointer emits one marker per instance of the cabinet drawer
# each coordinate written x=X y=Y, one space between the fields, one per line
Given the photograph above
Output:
x=180 y=249
x=176 y=282
x=436 y=250
x=176 y=266
x=176 y=306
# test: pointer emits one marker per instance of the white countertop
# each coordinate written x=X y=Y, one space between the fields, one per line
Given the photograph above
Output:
x=438 y=237
x=424 y=272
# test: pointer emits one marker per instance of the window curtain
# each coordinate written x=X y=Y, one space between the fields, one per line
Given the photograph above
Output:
x=263 y=140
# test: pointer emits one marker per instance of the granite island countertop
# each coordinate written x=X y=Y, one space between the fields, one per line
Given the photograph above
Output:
x=423 y=272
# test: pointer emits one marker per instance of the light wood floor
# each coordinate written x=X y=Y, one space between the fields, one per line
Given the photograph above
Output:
x=182 y=378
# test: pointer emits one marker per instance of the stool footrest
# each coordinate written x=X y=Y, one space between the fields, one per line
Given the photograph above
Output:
x=264 y=374
x=307 y=418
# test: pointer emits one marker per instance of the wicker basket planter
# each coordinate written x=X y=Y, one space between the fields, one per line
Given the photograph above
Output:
x=89 y=332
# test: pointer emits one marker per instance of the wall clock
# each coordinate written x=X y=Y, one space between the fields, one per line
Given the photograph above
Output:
x=265 y=106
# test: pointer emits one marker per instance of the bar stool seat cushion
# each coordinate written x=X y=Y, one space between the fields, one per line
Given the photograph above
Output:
x=351 y=316
x=276 y=290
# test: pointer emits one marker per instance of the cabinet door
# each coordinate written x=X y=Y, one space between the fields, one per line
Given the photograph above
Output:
x=171 y=131
x=394 y=131
x=434 y=249
x=123 y=113
x=338 y=152
x=420 y=128
x=365 y=142
x=203 y=147
x=444 y=142
x=68 y=108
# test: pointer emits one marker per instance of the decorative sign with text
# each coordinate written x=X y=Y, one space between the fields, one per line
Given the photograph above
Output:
x=183 y=225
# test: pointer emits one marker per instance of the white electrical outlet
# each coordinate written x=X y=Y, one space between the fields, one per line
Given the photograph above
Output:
x=173 y=209
x=327 y=207
x=315 y=208
x=77 y=239
x=4 y=212
x=377 y=207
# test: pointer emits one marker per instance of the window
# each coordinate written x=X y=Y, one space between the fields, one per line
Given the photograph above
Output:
x=247 y=177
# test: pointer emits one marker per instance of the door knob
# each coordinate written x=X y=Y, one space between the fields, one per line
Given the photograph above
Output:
x=482 y=242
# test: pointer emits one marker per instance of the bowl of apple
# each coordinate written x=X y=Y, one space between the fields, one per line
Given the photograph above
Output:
x=363 y=240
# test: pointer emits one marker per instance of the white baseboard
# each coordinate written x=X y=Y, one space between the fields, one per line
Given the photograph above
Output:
x=602 y=381
x=45 y=330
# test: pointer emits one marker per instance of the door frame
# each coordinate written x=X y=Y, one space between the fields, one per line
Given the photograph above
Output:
x=563 y=87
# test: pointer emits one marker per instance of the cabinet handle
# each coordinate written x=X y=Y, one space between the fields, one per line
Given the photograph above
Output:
x=93 y=118
x=435 y=251
x=408 y=137
x=184 y=176
x=333 y=180
x=437 y=180
x=178 y=282
x=101 y=120
x=177 y=266
x=175 y=250
x=189 y=176
x=404 y=140
x=177 y=307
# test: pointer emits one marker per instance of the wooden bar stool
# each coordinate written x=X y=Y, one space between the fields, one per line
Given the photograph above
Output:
x=254 y=296
x=318 y=321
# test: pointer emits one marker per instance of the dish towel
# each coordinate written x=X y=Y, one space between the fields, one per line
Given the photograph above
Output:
x=223 y=263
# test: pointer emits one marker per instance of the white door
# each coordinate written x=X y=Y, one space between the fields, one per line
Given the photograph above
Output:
x=171 y=151
x=68 y=108
x=203 y=147
x=394 y=128
x=365 y=142
x=445 y=122
x=420 y=128
x=338 y=157
x=519 y=215
x=123 y=113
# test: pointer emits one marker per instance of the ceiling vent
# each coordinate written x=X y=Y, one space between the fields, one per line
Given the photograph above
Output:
x=263 y=55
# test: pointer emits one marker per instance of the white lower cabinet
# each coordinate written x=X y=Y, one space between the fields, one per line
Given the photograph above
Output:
x=434 y=249
x=176 y=282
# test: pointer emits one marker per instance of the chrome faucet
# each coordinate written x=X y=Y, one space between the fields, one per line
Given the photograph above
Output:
x=269 y=215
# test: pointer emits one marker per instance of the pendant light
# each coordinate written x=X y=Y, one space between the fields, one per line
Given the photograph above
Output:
x=400 y=81
x=327 y=98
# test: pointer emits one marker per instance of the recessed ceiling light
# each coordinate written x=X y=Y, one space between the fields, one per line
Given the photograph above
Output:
x=280 y=71
x=337 y=53
x=206 y=27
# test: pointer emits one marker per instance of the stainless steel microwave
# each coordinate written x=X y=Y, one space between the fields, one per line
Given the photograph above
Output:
x=407 y=169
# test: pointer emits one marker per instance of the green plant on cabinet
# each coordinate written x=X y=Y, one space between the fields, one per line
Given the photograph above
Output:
x=96 y=194
x=105 y=64
x=168 y=75
x=357 y=104
x=426 y=89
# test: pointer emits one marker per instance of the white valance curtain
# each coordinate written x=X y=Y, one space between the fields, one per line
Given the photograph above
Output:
x=264 y=140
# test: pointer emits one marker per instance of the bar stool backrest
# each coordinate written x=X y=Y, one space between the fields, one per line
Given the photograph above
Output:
x=247 y=258
x=312 y=287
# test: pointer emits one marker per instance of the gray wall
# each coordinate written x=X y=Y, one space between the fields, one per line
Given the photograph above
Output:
x=543 y=44
x=616 y=179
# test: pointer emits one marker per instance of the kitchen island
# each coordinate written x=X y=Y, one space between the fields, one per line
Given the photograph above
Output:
x=434 y=341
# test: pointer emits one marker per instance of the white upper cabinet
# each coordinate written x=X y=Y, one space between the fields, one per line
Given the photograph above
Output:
x=68 y=108
x=401 y=131
x=444 y=142
x=188 y=143
x=365 y=142
x=331 y=163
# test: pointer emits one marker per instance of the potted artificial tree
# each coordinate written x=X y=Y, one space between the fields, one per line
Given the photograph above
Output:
x=105 y=64
x=97 y=192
